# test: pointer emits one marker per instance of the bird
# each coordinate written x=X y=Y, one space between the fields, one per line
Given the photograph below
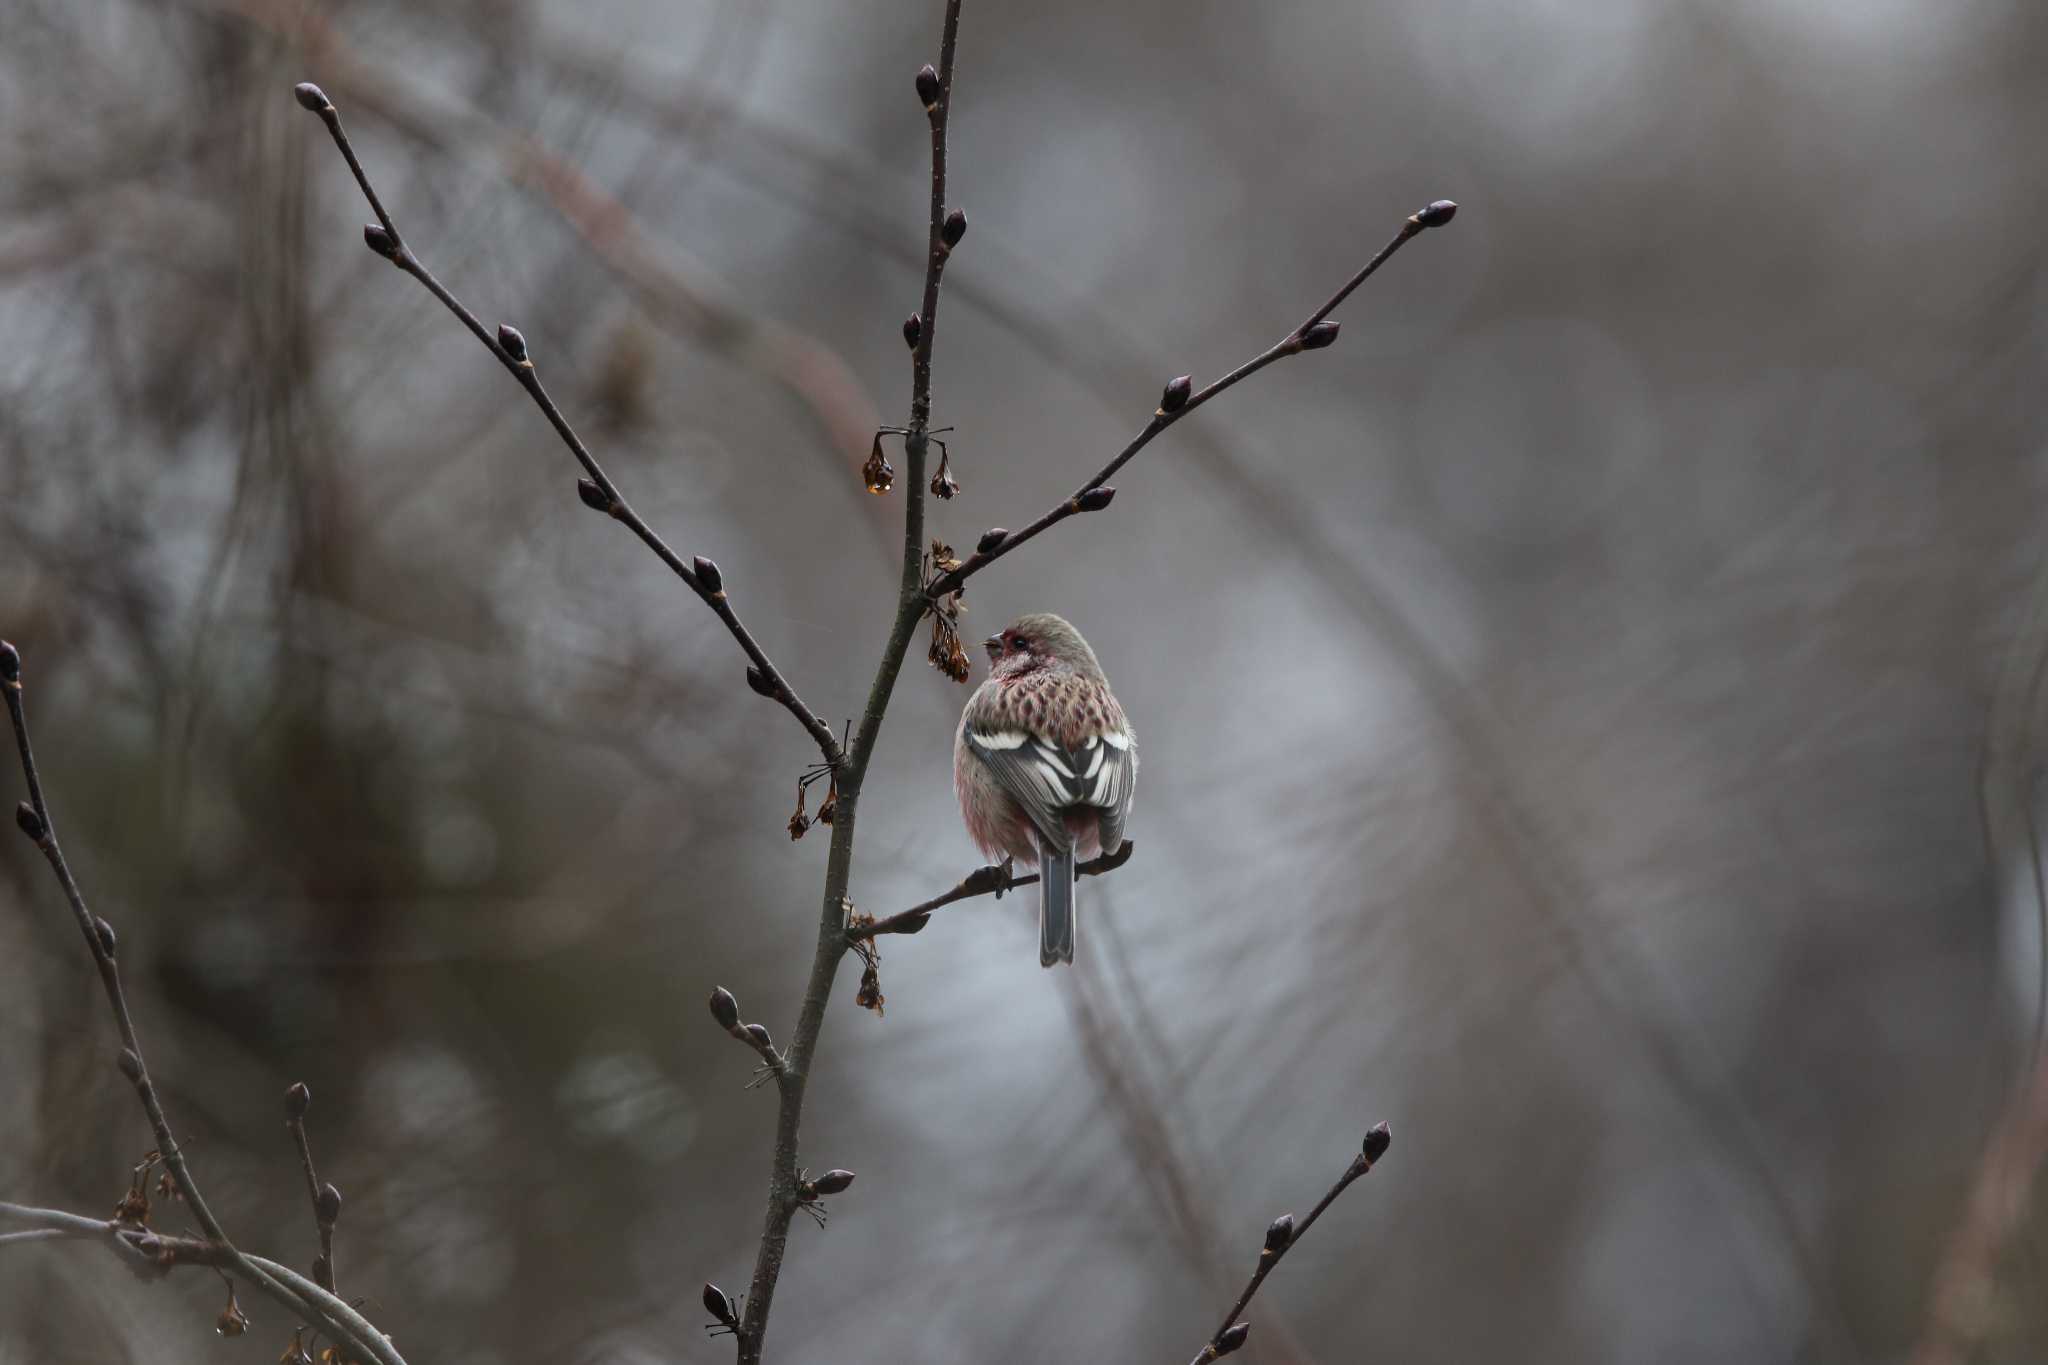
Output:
x=1045 y=764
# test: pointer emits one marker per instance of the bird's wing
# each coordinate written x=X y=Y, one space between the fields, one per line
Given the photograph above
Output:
x=1047 y=779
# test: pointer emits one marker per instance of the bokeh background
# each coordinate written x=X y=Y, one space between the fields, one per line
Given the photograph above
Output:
x=1592 y=715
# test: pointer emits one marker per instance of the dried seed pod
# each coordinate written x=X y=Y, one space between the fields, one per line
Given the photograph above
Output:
x=878 y=473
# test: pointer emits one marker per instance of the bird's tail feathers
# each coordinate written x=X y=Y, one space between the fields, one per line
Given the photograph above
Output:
x=1055 y=905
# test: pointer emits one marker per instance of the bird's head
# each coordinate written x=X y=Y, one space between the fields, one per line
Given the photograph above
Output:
x=1040 y=640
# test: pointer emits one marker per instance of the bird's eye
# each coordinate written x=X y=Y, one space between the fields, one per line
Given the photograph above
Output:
x=1020 y=644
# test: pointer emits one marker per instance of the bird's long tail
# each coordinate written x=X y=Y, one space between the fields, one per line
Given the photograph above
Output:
x=1055 y=905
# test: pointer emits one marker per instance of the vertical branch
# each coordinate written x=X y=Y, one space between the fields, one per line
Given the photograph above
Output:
x=935 y=87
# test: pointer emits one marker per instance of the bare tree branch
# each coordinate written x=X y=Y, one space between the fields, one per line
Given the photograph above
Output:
x=34 y=819
x=994 y=879
x=1179 y=399
x=1281 y=1235
x=785 y=1195
x=598 y=492
x=151 y=1253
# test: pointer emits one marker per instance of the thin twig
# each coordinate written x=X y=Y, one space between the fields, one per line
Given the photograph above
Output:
x=508 y=347
x=784 y=1187
x=993 y=879
x=1281 y=1237
x=326 y=1200
x=1311 y=335
x=34 y=819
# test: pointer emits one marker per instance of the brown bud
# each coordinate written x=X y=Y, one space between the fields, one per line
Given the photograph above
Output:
x=1232 y=1338
x=1279 y=1233
x=512 y=341
x=10 y=662
x=928 y=85
x=1175 y=396
x=760 y=1036
x=104 y=932
x=708 y=575
x=1377 y=1141
x=832 y=1182
x=1095 y=499
x=379 y=241
x=719 y=1306
x=953 y=229
x=31 y=823
x=297 y=1100
x=1319 y=336
x=990 y=539
x=323 y=1272
x=131 y=1065
x=1437 y=214
x=310 y=96
x=725 y=1009
x=913 y=330
x=758 y=680
x=328 y=1206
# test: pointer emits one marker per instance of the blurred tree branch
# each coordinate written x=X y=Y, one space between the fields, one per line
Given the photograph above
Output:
x=34 y=820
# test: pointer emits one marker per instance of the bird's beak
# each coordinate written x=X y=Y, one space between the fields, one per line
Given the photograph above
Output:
x=994 y=645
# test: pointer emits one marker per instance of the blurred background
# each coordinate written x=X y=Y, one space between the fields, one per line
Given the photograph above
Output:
x=1592 y=715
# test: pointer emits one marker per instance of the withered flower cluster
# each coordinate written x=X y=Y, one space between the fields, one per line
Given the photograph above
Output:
x=946 y=654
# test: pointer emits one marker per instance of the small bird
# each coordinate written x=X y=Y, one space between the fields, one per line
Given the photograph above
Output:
x=1044 y=764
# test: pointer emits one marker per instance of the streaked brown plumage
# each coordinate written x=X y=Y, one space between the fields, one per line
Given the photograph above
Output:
x=1044 y=764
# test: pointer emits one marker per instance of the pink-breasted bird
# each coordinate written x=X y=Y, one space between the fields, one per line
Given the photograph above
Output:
x=1044 y=764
